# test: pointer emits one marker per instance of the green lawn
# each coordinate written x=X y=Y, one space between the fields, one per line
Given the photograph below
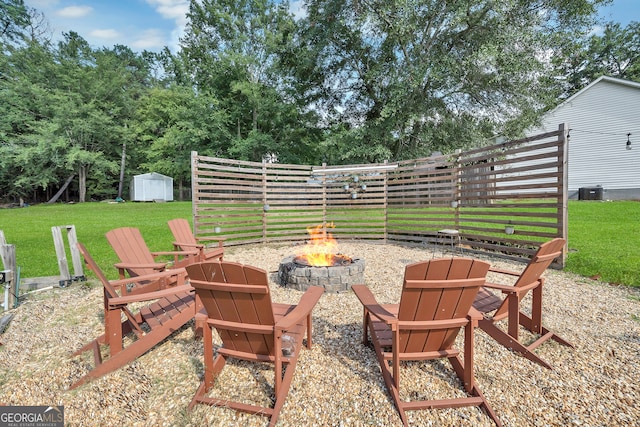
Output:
x=604 y=239
x=30 y=230
x=603 y=236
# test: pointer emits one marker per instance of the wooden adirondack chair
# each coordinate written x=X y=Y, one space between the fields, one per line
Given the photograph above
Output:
x=185 y=240
x=435 y=303
x=495 y=308
x=251 y=327
x=137 y=260
x=168 y=311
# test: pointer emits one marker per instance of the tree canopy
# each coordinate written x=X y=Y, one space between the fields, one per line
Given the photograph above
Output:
x=352 y=81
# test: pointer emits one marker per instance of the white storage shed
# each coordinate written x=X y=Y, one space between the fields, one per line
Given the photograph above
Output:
x=150 y=187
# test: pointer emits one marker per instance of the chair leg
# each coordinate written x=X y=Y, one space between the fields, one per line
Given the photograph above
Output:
x=309 y=331
x=283 y=390
x=391 y=386
x=509 y=342
x=527 y=322
x=365 y=325
x=473 y=391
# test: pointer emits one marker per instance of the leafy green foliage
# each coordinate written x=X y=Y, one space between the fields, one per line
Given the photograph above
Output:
x=171 y=122
x=14 y=19
x=352 y=82
x=414 y=77
x=615 y=53
x=233 y=50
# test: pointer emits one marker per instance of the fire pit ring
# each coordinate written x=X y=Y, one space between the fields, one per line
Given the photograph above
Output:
x=334 y=279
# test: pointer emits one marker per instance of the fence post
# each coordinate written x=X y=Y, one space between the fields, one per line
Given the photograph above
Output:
x=194 y=194
x=456 y=191
x=265 y=202
x=58 y=242
x=563 y=186
x=8 y=256
x=385 y=203
x=324 y=197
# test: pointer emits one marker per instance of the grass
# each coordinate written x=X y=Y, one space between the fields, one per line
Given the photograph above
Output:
x=603 y=241
x=603 y=236
x=30 y=230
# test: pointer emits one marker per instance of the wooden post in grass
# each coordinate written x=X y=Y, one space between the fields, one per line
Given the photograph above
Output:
x=8 y=256
x=58 y=241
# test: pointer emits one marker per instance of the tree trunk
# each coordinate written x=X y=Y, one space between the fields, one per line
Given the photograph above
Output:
x=82 y=183
x=64 y=187
x=254 y=124
x=122 y=165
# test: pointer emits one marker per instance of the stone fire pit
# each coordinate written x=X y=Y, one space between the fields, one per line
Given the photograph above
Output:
x=335 y=278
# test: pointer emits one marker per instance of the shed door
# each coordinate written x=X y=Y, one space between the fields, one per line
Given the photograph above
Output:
x=154 y=189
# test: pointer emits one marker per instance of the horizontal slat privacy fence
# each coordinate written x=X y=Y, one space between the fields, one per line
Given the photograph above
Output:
x=507 y=197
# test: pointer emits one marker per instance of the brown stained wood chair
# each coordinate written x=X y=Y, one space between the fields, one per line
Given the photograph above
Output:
x=434 y=305
x=496 y=307
x=137 y=260
x=251 y=327
x=185 y=240
x=168 y=310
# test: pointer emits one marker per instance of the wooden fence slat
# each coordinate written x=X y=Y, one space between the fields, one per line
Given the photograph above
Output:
x=521 y=182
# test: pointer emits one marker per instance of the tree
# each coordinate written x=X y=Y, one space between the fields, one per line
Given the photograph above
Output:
x=171 y=123
x=615 y=53
x=66 y=112
x=25 y=104
x=402 y=78
x=232 y=49
x=14 y=20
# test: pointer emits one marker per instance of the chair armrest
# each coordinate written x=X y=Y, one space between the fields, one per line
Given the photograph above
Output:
x=307 y=302
x=501 y=271
x=150 y=276
x=188 y=245
x=220 y=240
x=149 y=295
x=369 y=302
x=156 y=265
x=474 y=314
x=510 y=289
x=178 y=253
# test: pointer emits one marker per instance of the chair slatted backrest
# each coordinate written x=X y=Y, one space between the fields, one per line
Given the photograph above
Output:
x=110 y=291
x=181 y=231
x=235 y=296
x=538 y=264
x=441 y=289
x=130 y=247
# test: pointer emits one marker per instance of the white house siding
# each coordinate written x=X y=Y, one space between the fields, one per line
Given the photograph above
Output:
x=599 y=118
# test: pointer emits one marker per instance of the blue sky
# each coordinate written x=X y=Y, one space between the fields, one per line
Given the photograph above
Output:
x=153 y=24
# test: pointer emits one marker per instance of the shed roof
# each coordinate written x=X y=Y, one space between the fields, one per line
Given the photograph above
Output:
x=153 y=175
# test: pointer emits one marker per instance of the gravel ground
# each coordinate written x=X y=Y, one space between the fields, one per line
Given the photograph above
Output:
x=337 y=383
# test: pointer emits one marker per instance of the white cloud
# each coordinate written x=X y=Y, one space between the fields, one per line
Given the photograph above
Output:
x=172 y=9
x=176 y=10
x=597 y=30
x=108 y=33
x=74 y=11
x=149 y=39
x=297 y=9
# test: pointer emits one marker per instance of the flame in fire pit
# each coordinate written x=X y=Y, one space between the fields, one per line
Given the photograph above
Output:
x=321 y=248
